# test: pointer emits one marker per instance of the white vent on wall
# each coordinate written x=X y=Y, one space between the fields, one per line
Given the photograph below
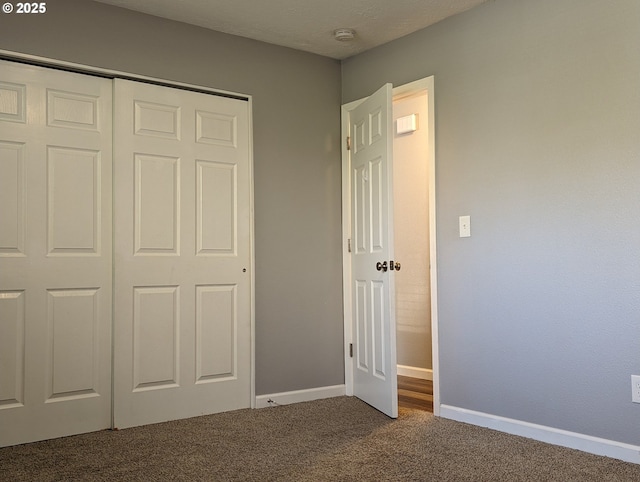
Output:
x=406 y=124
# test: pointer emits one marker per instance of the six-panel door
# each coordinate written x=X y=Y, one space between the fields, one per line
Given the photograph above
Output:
x=373 y=313
x=182 y=278
x=55 y=253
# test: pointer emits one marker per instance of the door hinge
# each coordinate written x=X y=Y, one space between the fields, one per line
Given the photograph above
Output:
x=351 y=350
x=348 y=143
x=349 y=244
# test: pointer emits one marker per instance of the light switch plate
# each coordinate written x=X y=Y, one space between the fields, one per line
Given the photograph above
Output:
x=635 y=388
x=406 y=124
x=465 y=226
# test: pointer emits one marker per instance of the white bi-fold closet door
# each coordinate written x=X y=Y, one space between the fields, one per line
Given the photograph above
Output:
x=178 y=338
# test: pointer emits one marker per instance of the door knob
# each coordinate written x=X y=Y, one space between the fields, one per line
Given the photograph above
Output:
x=381 y=266
x=395 y=266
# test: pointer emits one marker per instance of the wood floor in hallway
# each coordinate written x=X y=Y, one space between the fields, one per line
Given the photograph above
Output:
x=415 y=393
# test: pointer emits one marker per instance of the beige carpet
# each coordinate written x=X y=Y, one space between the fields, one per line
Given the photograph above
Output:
x=335 y=439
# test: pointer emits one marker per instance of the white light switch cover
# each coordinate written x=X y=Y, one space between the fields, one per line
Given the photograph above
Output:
x=465 y=226
x=406 y=124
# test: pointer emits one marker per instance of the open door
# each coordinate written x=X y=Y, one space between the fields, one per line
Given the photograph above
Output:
x=372 y=262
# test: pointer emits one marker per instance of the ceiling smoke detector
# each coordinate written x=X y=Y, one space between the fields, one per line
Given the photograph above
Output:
x=344 y=34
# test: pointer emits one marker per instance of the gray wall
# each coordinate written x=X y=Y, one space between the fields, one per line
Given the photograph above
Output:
x=538 y=139
x=296 y=120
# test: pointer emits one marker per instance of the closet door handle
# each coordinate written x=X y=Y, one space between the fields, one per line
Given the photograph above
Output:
x=381 y=266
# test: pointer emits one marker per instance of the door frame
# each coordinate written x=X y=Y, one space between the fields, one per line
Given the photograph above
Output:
x=113 y=74
x=422 y=85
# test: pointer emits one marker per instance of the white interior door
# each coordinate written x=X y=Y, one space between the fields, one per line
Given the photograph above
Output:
x=55 y=253
x=182 y=254
x=373 y=299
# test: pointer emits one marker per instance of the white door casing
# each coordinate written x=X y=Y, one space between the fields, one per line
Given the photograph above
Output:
x=182 y=254
x=371 y=222
x=55 y=253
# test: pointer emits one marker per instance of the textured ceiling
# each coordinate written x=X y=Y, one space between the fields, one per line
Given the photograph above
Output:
x=307 y=24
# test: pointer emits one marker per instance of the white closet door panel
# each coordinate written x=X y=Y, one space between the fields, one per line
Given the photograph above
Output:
x=182 y=221
x=55 y=253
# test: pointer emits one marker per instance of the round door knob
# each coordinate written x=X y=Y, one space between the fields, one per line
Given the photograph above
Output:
x=381 y=266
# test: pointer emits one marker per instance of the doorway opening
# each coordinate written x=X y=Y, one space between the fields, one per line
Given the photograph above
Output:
x=411 y=232
x=415 y=347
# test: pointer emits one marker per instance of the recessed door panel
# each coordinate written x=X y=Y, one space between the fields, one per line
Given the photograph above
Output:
x=376 y=205
x=360 y=222
x=157 y=120
x=12 y=199
x=359 y=133
x=216 y=195
x=156 y=326
x=361 y=304
x=72 y=350
x=218 y=129
x=72 y=110
x=157 y=205
x=11 y=349
x=216 y=343
x=377 y=320
x=376 y=126
x=73 y=200
x=13 y=102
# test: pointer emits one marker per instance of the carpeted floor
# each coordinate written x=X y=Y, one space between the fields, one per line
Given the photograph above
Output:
x=334 y=439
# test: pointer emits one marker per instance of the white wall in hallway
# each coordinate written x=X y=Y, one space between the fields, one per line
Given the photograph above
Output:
x=411 y=227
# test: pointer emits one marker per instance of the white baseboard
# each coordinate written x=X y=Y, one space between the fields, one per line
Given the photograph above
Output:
x=564 y=438
x=415 y=372
x=285 y=398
